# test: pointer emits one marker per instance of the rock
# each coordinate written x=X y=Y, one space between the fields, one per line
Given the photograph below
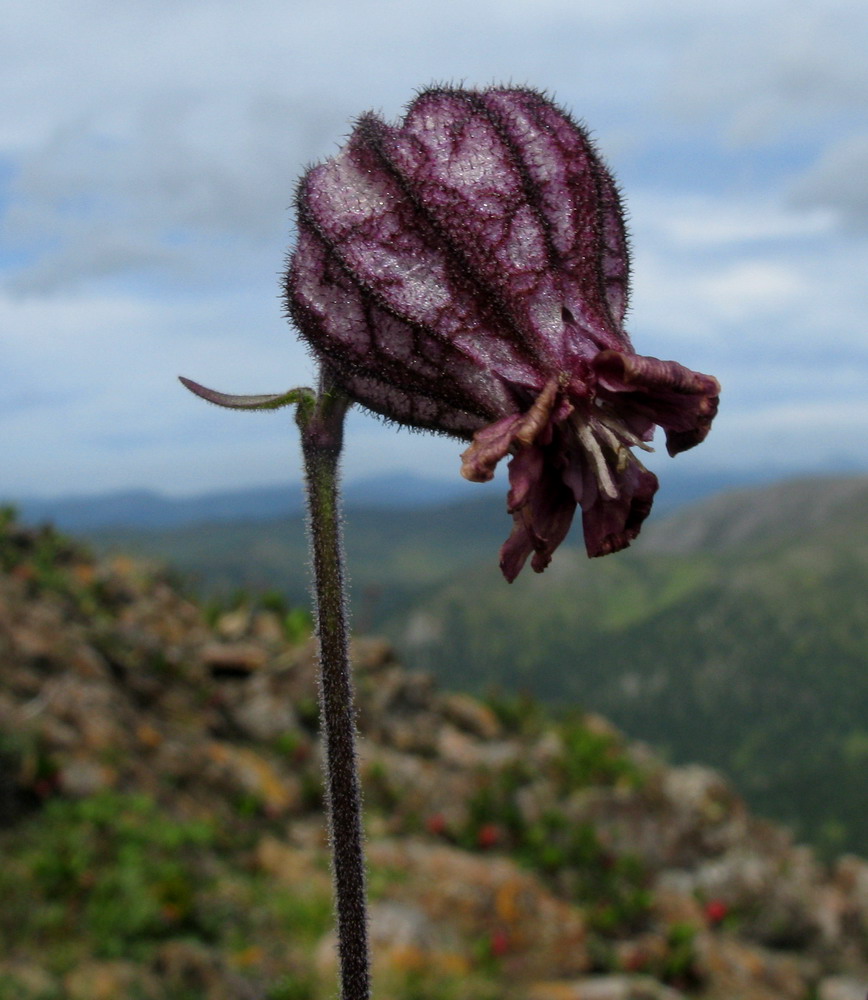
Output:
x=709 y=816
x=410 y=785
x=395 y=707
x=470 y=715
x=605 y=988
x=302 y=870
x=547 y=748
x=643 y=953
x=457 y=748
x=267 y=627
x=242 y=771
x=95 y=710
x=733 y=969
x=460 y=750
x=673 y=903
x=402 y=936
x=237 y=659
x=233 y=625
x=480 y=897
x=88 y=662
x=27 y=981
x=370 y=654
x=842 y=988
x=110 y=980
x=261 y=710
x=81 y=776
x=851 y=877
x=776 y=895
x=188 y=969
x=111 y=679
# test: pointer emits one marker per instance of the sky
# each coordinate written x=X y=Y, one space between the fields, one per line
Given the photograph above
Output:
x=149 y=152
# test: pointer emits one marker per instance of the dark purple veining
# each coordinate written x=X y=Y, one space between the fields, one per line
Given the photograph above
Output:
x=467 y=272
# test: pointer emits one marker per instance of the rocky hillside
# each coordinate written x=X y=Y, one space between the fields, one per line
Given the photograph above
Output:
x=161 y=824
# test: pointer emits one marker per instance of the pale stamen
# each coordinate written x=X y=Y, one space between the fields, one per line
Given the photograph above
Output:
x=592 y=447
x=621 y=431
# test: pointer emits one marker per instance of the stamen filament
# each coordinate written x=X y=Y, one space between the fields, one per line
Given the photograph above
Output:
x=592 y=447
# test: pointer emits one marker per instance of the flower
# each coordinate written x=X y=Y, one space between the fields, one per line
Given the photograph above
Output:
x=489 y=835
x=467 y=271
x=716 y=911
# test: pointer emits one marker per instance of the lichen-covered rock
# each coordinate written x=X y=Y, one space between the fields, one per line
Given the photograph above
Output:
x=618 y=987
x=532 y=930
x=842 y=988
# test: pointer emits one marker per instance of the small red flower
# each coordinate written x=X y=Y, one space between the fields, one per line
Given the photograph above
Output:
x=499 y=943
x=489 y=835
x=436 y=824
x=715 y=911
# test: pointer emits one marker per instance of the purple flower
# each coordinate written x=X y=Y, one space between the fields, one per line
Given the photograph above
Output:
x=467 y=272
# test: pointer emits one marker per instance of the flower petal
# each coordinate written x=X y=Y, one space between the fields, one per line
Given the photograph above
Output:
x=492 y=443
x=542 y=520
x=610 y=524
x=682 y=401
x=489 y=446
x=463 y=256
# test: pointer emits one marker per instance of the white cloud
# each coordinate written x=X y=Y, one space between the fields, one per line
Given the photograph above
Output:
x=161 y=192
x=150 y=150
x=838 y=182
x=771 y=68
x=718 y=272
x=750 y=289
x=701 y=222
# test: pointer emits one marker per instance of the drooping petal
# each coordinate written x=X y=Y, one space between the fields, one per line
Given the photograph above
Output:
x=492 y=443
x=681 y=401
x=611 y=523
x=544 y=511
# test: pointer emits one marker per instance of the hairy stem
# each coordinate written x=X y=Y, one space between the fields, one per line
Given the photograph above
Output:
x=321 y=421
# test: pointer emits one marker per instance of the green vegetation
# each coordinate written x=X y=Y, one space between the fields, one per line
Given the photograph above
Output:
x=760 y=670
x=109 y=869
x=568 y=853
x=735 y=633
x=115 y=876
x=296 y=622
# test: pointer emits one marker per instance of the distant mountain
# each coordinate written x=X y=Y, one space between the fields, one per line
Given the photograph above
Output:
x=795 y=510
x=150 y=510
x=147 y=509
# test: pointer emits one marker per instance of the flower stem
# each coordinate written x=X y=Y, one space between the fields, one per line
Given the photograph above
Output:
x=321 y=420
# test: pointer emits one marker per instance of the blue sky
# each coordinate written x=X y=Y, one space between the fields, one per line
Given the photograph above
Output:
x=149 y=150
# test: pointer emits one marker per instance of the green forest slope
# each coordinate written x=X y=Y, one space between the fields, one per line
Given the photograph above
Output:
x=736 y=634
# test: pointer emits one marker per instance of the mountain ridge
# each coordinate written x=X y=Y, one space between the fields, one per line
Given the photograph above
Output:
x=144 y=508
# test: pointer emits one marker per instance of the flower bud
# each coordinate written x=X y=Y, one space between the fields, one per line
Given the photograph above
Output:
x=467 y=272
